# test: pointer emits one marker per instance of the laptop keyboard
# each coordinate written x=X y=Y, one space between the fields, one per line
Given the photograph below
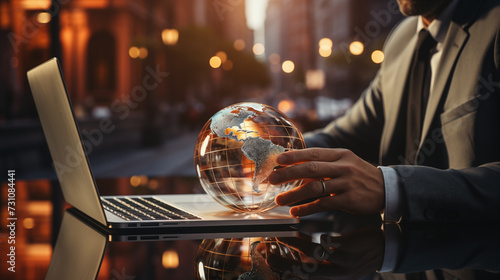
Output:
x=144 y=208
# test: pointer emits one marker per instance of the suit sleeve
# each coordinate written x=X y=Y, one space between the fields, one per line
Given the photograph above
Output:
x=465 y=195
x=359 y=130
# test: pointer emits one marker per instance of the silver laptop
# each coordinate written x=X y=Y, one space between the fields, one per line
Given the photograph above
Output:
x=78 y=184
x=80 y=245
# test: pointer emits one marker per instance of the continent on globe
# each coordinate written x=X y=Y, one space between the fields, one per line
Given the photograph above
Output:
x=229 y=122
x=264 y=153
x=236 y=151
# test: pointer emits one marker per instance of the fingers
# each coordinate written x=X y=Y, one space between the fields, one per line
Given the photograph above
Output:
x=311 y=169
x=311 y=154
x=322 y=204
x=319 y=205
x=312 y=163
x=310 y=190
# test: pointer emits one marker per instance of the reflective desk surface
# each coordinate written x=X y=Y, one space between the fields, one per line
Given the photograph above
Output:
x=324 y=246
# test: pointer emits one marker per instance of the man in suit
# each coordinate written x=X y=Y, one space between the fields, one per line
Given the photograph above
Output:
x=436 y=140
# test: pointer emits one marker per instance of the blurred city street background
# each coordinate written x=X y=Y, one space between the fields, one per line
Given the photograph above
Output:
x=158 y=70
x=144 y=76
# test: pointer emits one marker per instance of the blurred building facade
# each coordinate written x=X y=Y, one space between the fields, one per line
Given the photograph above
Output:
x=108 y=50
x=294 y=29
x=109 y=47
x=96 y=38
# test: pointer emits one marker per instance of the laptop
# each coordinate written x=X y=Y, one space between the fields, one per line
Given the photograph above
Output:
x=81 y=244
x=79 y=188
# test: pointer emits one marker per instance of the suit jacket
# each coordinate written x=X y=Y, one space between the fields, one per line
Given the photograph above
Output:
x=458 y=176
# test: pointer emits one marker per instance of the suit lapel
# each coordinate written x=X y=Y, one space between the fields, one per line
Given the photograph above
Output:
x=397 y=75
x=454 y=42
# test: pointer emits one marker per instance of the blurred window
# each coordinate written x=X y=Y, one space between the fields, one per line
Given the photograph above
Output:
x=101 y=61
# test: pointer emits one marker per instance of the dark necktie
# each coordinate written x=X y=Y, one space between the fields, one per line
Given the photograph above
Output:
x=418 y=92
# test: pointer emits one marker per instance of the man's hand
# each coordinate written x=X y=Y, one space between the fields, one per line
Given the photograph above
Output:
x=351 y=184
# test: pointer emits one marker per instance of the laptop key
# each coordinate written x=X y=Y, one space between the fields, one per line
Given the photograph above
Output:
x=148 y=208
x=120 y=212
x=178 y=213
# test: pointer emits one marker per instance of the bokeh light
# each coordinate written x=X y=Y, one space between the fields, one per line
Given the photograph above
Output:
x=215 y=62
x=286 y=106
x=325 y=52
x=170 y=36
x=143 y=52
x=170 y=259
x=222 y=55
x=43 y=17
x=288 y=66
x=356 y=48
x=239 y=44
x=135 y=181
x=274 y=58
x=258 y=49
x=28 y=223
x=325 y=43
x=133 y=52
x=377 y=56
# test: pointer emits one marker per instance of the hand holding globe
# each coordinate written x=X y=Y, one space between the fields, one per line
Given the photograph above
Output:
x=236 y=151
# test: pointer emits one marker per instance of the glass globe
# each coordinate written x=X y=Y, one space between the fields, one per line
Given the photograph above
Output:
x=240 y=258
x=236 y=151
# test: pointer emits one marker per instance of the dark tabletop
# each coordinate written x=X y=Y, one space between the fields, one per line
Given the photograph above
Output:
x=57 y=243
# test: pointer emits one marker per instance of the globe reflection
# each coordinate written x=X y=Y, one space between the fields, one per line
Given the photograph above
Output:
x=239 y=258
x=236 y=151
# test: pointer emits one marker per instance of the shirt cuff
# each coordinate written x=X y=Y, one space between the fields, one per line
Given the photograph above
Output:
x=392 y=235
x=393 y=208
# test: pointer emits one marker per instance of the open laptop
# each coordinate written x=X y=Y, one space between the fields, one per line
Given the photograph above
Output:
x=81 y=245
x=78 y=184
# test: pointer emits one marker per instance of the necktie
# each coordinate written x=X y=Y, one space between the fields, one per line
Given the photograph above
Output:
x=418 y=92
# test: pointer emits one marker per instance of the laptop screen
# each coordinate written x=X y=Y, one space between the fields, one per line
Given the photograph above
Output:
x=64 y=141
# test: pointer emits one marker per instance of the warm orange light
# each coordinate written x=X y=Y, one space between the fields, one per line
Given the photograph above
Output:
x=4 y=15
x=170 y=259
x=215 y=61
x=377 y=56
x=325 y=52
x=28 y=223
x=258 y=49
x=153 y=184
x=144 y=179
x=135 y=181
x=315 y=79
x=143 y=52
x=35 y=4
x=43 y=17
x=325 y=43
x=356 y=48
x=170 y=36
x=239 y=44
x=288 y=66
x=286 y=106
x=134 y=52
x=222 y=55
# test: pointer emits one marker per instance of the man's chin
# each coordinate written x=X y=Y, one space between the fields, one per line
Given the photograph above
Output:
x=421 y=7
